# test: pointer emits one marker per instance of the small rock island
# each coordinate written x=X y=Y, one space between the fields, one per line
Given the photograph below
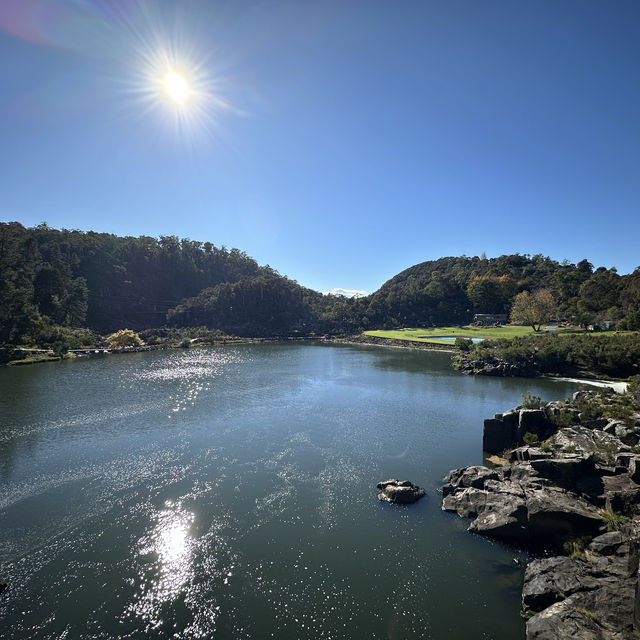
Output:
x=403 y=492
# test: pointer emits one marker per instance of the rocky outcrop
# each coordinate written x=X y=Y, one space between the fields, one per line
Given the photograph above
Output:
x=403 y=492
x=563 y=490
x=515 y=426
x=393 y=342
x=506 y=430
x=494 y=366
x=521 y=504
x=591 y=596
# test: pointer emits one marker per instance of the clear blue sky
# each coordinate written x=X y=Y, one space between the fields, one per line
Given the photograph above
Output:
x=340 y=142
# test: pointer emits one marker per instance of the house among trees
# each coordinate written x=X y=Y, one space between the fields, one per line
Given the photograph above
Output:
x=489 y=319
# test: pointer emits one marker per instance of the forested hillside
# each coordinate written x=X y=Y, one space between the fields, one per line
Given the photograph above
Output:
x=265 y=305
x=103 y=281
x=58 y=278
x=451 y=290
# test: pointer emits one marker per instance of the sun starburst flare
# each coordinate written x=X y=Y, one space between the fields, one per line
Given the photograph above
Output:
x=176 y=87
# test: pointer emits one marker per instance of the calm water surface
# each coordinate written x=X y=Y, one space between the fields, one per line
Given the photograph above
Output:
x=230 y=493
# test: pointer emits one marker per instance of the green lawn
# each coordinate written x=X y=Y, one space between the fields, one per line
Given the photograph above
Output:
x=431 y=335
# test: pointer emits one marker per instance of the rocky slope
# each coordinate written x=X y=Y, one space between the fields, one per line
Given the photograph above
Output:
x=571 y=489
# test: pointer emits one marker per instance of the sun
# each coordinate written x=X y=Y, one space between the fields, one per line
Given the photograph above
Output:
x=176 y=87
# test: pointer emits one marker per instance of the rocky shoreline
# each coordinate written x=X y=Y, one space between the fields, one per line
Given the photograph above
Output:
x=361 y=338
x=567 y=482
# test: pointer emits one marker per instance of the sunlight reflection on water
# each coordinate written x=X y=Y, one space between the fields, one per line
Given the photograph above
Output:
x=167 y=556
x=192 y=371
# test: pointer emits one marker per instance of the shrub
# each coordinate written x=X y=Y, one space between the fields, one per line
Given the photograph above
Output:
x=615 y=355
x=564 y=419
x=463 y=344
x=59 y=348
x=613 y=520
x=590 y=409
x=529 y=438
x=606 y=454
x=633 y=391
x=529 y=401
x=123 y=339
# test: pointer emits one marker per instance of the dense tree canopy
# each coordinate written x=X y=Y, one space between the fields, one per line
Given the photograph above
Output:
x=59 y=279
x=481 y=285
x=103 y=281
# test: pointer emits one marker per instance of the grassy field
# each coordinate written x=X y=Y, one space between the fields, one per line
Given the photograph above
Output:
x=432 y=334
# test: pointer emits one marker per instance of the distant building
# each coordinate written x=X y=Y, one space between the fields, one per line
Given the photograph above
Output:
x=490 y=318
x=602 y=325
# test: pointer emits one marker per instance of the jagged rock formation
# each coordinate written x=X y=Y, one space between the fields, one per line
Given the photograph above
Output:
x=564 y=491
x=593 y=595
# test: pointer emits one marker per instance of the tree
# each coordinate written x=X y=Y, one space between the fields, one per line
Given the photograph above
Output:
x=485 y=295
x=534 y=310
x=600 y=292
x=123 y=339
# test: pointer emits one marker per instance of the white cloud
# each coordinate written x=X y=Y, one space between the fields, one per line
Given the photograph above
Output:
x=347 y=293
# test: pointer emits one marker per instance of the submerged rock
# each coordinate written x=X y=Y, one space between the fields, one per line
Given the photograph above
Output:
x=403 y=492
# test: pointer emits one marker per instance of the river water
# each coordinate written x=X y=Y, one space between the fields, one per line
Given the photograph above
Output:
x=230 y=493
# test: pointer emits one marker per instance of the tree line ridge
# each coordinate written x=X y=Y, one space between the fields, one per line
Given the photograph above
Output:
x=52 y=278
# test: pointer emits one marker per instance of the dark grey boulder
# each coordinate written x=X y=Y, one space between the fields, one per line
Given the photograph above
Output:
x=467 y=503
x=624 y=459
x=580 y=597
x=529 y=452
x=596 y=423
x=602 y=614
x=564 y=620
x=549 y=580
x=621 y=493
x=564 y=470
x=581 y=440
x=473 y=476
x=399 y=492
x=576 y=473
x=634 y=468
x=611 y=425
x=497 y=435
x=607 y=544
x=503 y=513
x=521 y=505
x=553 y=514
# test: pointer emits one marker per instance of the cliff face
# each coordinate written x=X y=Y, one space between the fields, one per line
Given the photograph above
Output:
x=573 y=490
